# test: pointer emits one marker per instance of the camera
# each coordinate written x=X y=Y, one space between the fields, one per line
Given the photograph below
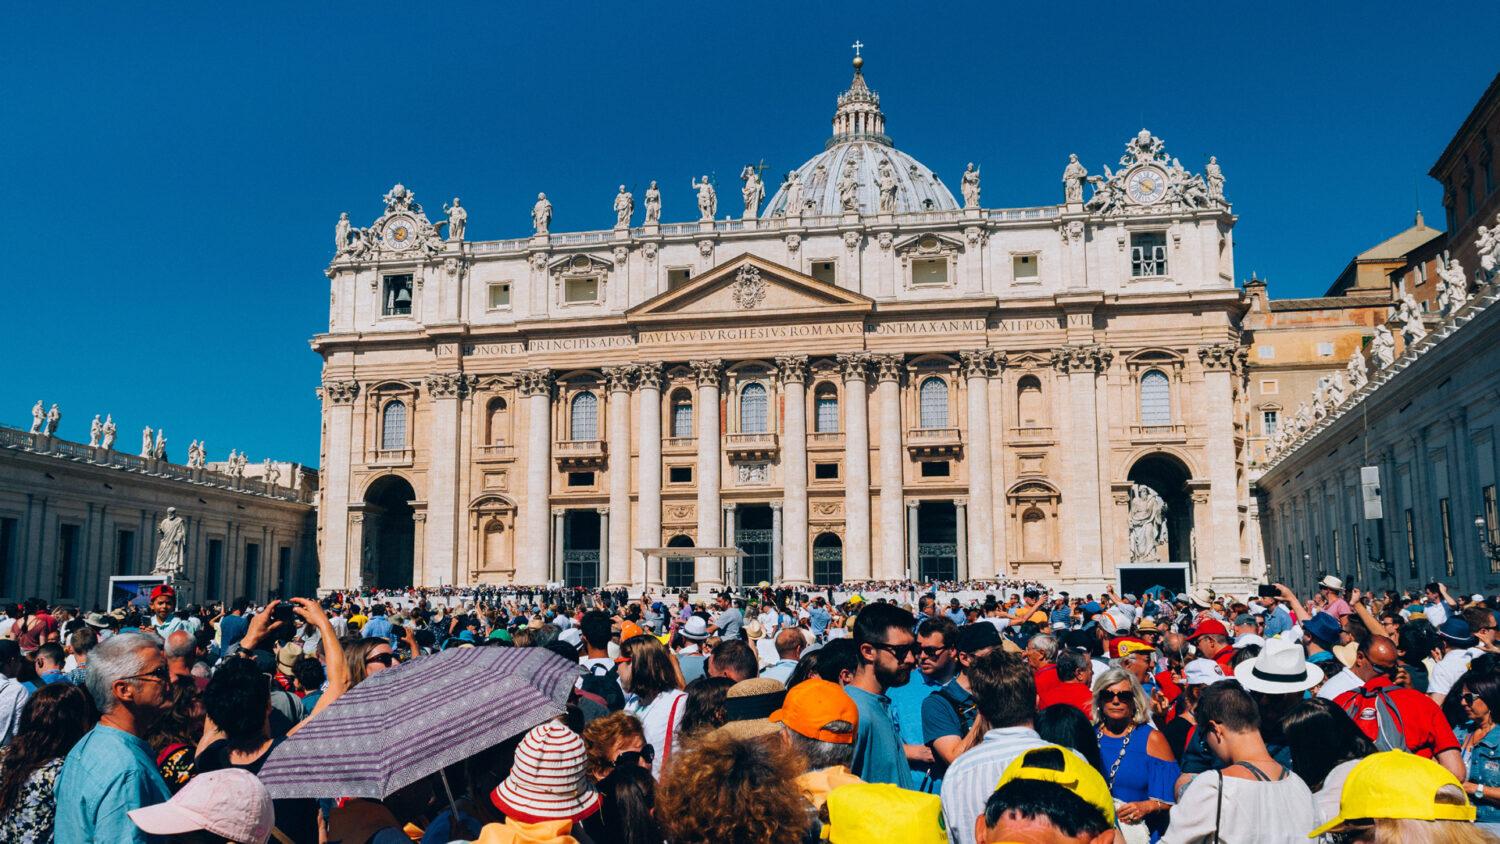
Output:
x=284 y=613
x=1266 y=590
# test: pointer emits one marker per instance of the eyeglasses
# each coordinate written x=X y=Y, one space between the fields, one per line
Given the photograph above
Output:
x=1126 y=696
x=161 y=675
x=1468 y=698
x=646 y=754
x=900 y=652
x=931 y=652
x=384 y=659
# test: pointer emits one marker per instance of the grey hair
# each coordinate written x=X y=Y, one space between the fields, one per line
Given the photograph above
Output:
x=180 y=645
x=1114 y=677
x=1044 y=644
x=824 y=754
x=115 y=659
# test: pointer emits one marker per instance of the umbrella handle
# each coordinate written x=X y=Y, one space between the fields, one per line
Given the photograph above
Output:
x=452 y=804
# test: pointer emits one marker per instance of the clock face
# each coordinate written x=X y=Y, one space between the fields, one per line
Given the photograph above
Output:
x=1146 y=185
x=400 y=233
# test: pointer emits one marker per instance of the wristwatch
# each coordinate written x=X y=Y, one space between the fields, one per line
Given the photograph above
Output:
x=1478 y=792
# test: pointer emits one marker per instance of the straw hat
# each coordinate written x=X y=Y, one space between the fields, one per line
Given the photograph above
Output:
x=547 y=781
x=1281 y=668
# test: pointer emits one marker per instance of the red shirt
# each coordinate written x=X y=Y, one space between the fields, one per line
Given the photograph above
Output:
x=1168 y=686
x=1076 y=695
x=1225 y=660
x=1046 y=679
x=1426 y=730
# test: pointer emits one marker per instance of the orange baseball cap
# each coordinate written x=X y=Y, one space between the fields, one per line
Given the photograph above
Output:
x=629 y=630
x=812 y=704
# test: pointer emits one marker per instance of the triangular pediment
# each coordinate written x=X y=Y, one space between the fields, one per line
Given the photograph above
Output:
x=749 y=287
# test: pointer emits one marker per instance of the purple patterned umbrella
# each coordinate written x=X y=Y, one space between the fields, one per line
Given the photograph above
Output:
x=417 y=718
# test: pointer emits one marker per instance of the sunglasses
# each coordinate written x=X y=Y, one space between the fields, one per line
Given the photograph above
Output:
x=932 y=652
x=900 y=652
x=1126 y=696
x=383 y=659
x=646 y=754
x=1468 y=698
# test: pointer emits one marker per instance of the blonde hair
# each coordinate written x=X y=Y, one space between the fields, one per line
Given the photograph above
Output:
x=1114 y=677
x=1407 y=831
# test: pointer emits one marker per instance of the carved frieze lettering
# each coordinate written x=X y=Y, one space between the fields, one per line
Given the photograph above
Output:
x=926 y=327
x=752 y=332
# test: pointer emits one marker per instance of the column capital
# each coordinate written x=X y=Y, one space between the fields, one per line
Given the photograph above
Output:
x=706 y=372
x=960 y=502
x=853 y=366
x=619 y=377
x=559 y=511
x=1222 y=356
x=889 y=367
x=792 y=368
x=339 y=392
x=448 y=385
x=976 y=363
x=603 y=511
x=534 y=382
x=648 y=375
x=1081 y=359
x=912 y=505
x=776 y=504
x=727 y=506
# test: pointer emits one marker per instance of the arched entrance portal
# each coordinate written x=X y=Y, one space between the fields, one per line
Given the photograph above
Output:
x=679 y=569
x=1169 y=478
x=828 y=560
x=390 y=534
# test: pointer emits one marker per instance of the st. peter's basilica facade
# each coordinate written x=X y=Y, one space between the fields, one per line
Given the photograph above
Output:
x=863 y=378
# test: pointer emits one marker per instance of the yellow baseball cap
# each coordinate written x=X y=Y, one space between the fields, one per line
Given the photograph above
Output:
x=1076 y=776
x=877 y=812
x=1396 y=785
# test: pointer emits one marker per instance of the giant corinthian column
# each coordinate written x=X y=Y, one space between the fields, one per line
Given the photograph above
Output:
x=534 y=563
x=648 y=474
x=976 y=366
x=339 y=563
x=794 y=559
x=618 y=379
x=892 y=485
x=708 y=571
x=857 y=464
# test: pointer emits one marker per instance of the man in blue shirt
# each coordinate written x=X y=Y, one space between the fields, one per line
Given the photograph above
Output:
x=886 y=652
x=378 y=627
x=936 y=665
x=818 y=618
x=112 y=770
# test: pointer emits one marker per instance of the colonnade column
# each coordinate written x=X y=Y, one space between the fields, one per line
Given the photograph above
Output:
x=961 y=525
x=976 y=366
x=340 y=559
x=708 y=570
x=534 y=565
x=795 y=566
x=892 y=484
x=776 y=573
x=607 y=549
x=731 y=539
x=648 y=473
x=439 y=553
x=857 y=467
x=556 y=568
x=913 y=562
x=1220 y=365
x=617 y=567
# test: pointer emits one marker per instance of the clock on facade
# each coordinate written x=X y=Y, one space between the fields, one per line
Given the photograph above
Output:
x=400 y=233
x=1146 y=185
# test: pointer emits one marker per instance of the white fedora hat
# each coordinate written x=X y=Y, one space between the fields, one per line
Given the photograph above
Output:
x=1281 y=668
x=1331 y=582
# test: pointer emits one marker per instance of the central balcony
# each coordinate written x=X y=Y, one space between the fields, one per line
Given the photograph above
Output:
x=751 y=446
x=578 y=454
x=933 y=442
x=1153 y=434
x=391 y=457
x=496 y=453
x=679 y=445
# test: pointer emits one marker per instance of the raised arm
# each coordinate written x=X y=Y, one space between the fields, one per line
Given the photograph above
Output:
x=1290 y=597
x=1371 y=623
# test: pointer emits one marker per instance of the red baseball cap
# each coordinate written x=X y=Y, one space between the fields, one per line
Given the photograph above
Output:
x=163 y=589
x=1208 y=626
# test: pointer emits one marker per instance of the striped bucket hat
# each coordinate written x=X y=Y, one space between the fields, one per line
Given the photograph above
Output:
x=547 y=781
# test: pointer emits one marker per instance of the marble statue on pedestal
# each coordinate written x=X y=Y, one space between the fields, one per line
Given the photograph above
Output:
x=792 y=189
x=1303 y=418
x=1408 y=315
x=1357 y=370
x=708 y=199
x=1109 y=193
x=1073 y=177
x=230 y=462
x=885 y=180
x=653 y=204
x=458 y=220
x=159 y=451
x=1148 y=524
x=1488 y=247
x=541 y=214
x=239 y=465
x=108 y=442
x=1383 y=347
x=848 y=188
x=38 y=417
x=341 y=232
x=95 y=429
x=1215 y=178
x=1320 y=398
x=146 y=442
x=272 y=473
x=53 y=417
x=195 y=455
x=171 y=545
x=1336 y=393
x=1453 y=288
x=970 y=186
x=753 y=191
x=624 y=207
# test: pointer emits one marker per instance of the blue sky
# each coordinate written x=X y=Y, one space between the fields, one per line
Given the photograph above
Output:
x=176 y=170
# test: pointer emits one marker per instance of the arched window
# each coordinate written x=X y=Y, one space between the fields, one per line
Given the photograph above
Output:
x=933 y=403
x=828 y=559
x=1029 y=407
x=682 y=414
x=583 y=423
x=826 y=405
x=1156 y=398
x=393 y=426
x=498 y=421
x=753 y=409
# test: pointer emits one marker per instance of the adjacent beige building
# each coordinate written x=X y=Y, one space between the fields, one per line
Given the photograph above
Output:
x=862 y=378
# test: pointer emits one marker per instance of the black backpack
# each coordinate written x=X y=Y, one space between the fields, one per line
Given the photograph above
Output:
x=605 y=684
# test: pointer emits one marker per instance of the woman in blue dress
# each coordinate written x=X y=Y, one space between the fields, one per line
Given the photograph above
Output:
x=1138 y=763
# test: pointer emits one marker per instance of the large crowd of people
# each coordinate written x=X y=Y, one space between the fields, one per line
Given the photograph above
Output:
x=774 y=714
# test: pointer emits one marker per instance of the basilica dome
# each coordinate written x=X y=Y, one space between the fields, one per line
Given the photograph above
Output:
x=860 y=146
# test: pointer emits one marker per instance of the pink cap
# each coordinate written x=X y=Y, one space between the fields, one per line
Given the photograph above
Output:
x=230 y=803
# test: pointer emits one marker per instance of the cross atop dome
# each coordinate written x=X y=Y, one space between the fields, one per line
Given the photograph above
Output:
x=858 y=117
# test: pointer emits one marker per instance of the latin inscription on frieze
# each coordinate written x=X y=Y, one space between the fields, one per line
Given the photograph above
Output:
x=926 y=327
x=490 y=350
x=1022 y=324
x=579 y=344
x=752 y=332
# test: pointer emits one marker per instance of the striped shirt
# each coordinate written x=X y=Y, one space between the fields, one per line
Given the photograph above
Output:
x=973 y=776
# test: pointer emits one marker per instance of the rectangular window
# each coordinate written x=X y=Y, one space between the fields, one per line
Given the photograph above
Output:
x=1325 y=349
x=215 y=571
x=824 y=271
x=580 y=479
x=935 y=469
x=579 y=291
x=1491 y=522
x=680 y=474
x=677 y=277
x=1148 y=254
x=396 y=295
x=124 y=552
x=68 y=551
x=1447 y=528
x=8 y=534
x=929 y=272
x=500 y=296
x=252 y=570
x=1411 y=545
x=1268 y=423
x=1266 y=352
x=1269 y=388
x=1024 y=267
x=826 y=471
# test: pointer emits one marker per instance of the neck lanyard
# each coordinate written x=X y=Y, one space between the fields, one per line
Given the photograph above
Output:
x=1124 y=745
